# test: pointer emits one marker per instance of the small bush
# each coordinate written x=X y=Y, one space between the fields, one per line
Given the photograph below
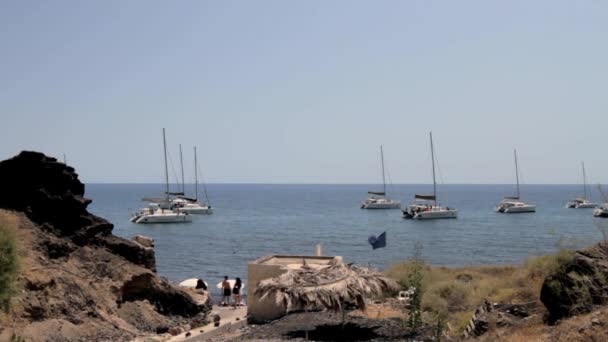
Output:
x=459 y=321
x=415 y=278
x=17 y=338
x=457 y=296
x=542 y=266
x=435 y=304
x=8 y=262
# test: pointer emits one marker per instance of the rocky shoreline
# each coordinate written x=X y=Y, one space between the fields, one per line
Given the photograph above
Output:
x=78 y=282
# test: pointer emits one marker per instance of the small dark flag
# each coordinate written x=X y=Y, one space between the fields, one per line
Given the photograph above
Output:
x=377 y=242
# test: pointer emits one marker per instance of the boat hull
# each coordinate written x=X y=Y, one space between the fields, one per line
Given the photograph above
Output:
x=517 y=210
x=162 y=218
x=434 y=215
x=416 y=213
x=600 y=212
x=581 y=204
x=198 y=211
x=391 y=205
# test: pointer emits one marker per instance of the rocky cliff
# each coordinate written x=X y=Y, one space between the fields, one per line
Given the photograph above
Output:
x=78 y=281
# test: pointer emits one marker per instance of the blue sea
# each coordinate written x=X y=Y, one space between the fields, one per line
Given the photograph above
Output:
x=254 y=220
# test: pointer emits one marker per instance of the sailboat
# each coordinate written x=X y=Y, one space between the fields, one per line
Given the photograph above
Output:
x=513 y=204
x=379 y=200
x=161 y=210
x=187 y=204
x=582 y=202
x=422 y=209
x=601 y=211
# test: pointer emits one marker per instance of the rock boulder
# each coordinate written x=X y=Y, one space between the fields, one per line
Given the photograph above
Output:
x=579 y=284
x=50 y=194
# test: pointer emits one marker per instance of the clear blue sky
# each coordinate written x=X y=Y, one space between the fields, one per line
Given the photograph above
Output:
x=306 y=91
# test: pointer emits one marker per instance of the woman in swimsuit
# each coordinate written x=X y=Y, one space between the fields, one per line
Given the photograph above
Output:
x=236 y=290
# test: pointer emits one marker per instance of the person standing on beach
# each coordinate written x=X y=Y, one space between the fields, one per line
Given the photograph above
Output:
x=227 y=289
x=236 y=290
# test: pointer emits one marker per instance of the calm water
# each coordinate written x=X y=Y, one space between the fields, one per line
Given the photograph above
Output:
x=251 y=221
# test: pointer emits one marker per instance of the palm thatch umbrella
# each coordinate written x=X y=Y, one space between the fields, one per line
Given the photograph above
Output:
x=329 y=287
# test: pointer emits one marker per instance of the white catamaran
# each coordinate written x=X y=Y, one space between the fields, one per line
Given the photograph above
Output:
x=424 y=210
x=582 y=202
x=601 y=211
x=379 y=200
x=161 y=210
x=187 y=204
x=513 y=204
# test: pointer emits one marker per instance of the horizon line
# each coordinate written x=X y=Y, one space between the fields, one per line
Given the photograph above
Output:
x=324 y=183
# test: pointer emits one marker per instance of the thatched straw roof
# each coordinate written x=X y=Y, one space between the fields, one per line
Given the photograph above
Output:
x=329 y=287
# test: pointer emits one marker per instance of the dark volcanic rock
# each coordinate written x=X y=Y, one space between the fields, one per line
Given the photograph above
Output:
x=77 y=274
x=130 y=250
x=48 y=192
x=164 y=297
x=161 y=329
x=579 y=285
x=51 y=195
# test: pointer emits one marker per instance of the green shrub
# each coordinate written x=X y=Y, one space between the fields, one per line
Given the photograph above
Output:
x=8 y=262
x=542 y=266
x=456 y=296
x=17 y=338
x=415 y=278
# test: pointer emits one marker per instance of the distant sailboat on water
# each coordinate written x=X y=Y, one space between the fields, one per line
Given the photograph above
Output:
x=188 y=204
x=423 y=210
x=161 y=210
x=582 y=202
x=379 y=200
x=513 y=204
x=601 y=211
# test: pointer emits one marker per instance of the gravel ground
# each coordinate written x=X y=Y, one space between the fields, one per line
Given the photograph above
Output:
x=322 y=326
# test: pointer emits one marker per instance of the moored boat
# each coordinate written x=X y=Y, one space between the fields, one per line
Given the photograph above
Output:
x=154 y=214
x=379 y=200
x=426 y=210
x=162 y=210
x=187 y=204
x=513 y=204
x=582 y=202
x=601 y=211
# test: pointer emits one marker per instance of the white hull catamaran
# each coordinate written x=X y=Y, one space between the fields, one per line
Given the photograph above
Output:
x=603 y=210
x=582 y=202
x=424 y=211
x=192 y=205
x=161 y=211
x=379 y=200
x=512 y=205
x=159 y=215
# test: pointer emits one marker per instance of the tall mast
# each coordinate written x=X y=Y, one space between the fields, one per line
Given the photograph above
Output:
x=181 y=162
x=516 y=172
x=166 y=168
x=433 y=162
x=195 y=176
x=383 y=179
x=584 y=181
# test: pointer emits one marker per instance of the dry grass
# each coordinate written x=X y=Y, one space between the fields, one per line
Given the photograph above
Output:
x=457 y=292
x=378 y=311
x=589 y=327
